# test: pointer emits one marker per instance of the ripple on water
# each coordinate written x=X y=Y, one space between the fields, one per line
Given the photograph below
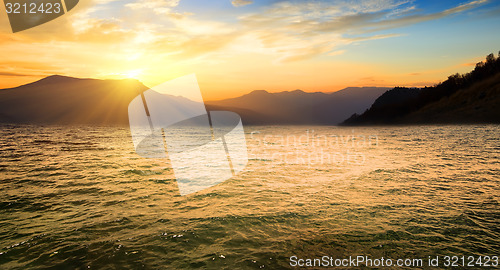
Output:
x=80 y=197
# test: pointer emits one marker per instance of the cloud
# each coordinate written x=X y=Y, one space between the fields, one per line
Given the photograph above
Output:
x=103 y=36
x=204 y=44
x=157 y=6
x=334 y=53
x=299 y=31
x=347 y=16
x=13 y=74
x=315 y=27
x=239 y=3
x=391 y=23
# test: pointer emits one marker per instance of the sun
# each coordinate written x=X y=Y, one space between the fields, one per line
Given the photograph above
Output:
x=133 y=74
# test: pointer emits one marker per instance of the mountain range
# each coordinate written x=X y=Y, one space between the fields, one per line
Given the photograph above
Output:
x=65 y=100
x=299 y=107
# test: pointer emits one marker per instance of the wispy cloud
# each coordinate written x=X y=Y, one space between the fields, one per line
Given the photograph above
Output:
x=316 y=28
x=239 y=3
x=156 y=6
x=12 y=74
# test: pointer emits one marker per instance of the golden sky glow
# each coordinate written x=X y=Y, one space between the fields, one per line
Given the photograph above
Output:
x=235 y=47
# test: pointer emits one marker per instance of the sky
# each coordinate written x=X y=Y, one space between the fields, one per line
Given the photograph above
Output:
x=236 y=46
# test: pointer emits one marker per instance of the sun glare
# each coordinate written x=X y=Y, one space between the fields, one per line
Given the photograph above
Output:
x=133 y=74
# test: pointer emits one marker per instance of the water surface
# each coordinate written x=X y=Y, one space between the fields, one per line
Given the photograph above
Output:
x=80 y=197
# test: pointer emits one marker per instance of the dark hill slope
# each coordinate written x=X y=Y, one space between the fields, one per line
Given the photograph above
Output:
x=468 y=98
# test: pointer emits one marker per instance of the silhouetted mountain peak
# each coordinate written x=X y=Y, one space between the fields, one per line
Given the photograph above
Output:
x=66 y=100
x=57 y=76
x=67 y=79
x=299 y=107
x=258 y=92
x=298 y=91
x=57 y=79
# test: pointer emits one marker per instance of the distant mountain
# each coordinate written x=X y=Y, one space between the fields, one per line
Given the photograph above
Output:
x=344 y=103
x=66 y=100
x=299 y=107
x=470 y=98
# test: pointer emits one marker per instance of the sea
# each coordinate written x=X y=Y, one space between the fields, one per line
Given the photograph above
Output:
x=80 y=197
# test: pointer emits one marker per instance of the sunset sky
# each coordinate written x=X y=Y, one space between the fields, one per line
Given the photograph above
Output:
x=238 y=46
